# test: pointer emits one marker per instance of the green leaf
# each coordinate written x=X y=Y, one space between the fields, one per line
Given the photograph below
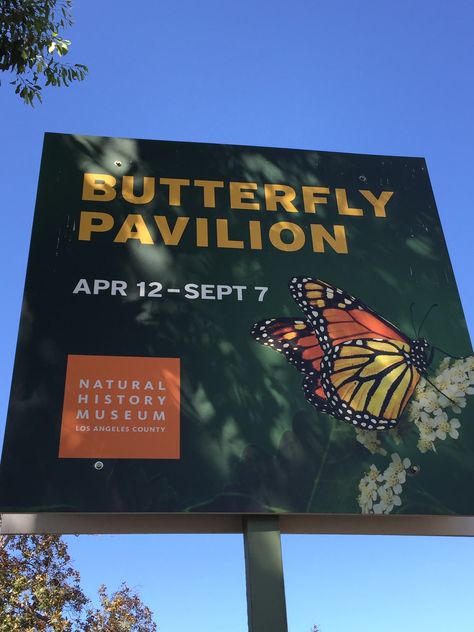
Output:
x=30 y=40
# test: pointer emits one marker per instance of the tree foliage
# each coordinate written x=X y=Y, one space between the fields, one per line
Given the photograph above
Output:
x=40 y=592
x=123 y=610
x=31 y=47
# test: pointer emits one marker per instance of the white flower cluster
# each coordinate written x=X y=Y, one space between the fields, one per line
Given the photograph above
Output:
x=380 y=492
x=369 y=439
x=429 y=410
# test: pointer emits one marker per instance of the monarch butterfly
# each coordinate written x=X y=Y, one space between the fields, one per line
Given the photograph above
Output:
x=358 y=367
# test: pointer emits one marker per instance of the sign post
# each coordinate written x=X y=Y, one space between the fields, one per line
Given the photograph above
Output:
x=218 y=338
x=266 y=605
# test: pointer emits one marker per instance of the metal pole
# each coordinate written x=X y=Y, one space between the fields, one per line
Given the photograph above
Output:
x=266 y=606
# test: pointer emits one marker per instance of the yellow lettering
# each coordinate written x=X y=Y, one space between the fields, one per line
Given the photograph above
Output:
x=255 y=235
x=171 y=237
x=134 y=227
x=223 y=241
x=296 y=231
x=310 y=198
x=238 y=195
x=209 y=191
x=337 y=242
x=174 y=185
x=98 y=187
x=379 y=203
x=148 y=194
x=343 y=207
x=94 y=223
x=279 y=194
x=202 y=232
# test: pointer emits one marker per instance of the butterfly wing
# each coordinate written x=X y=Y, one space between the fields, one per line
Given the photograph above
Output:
x=295 y=339
x=369 y=382
x=359 y=366
x=315 y=394
x=367 y=372
x=336 y=316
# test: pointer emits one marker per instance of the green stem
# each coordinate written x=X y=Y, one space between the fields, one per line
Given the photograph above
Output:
x=436 y=503
x=320 y=471
x=269 y=508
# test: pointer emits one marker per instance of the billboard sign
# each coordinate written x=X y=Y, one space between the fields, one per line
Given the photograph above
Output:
x=215 y=328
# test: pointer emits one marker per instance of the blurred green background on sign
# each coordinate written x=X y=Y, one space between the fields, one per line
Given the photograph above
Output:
x=250 y=442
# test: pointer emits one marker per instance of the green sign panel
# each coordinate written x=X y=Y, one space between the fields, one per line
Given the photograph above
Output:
x=215 y=328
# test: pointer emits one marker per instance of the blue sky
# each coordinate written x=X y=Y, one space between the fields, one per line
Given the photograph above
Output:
x=366 y=77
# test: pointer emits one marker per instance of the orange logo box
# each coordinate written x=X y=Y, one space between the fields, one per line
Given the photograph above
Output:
x=121 y=408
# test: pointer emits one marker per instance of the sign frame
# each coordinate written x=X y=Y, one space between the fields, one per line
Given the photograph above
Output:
x=322 y=205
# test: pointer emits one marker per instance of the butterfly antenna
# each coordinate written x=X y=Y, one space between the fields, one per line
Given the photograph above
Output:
x=412 y=314
x=424 y=319
x=439 y=391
